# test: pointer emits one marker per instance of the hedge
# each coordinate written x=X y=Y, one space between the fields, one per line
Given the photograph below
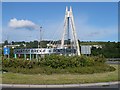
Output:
x=55 y=61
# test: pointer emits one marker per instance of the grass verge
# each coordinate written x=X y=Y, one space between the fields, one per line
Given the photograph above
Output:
x=17 y=78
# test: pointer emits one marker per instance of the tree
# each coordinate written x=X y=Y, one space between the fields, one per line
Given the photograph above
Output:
x=6 y=42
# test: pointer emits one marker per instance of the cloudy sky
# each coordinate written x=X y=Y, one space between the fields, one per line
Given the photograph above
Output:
x=94 y=21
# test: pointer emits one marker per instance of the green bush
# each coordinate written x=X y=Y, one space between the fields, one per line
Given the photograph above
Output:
x=17 y=63
x=58 y=64
x=57 y=61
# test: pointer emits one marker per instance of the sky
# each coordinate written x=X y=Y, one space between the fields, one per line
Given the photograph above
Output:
x=94 y=21
x=0 y=22
x=60 y=0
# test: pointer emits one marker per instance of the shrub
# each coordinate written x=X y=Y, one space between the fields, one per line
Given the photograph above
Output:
x=58 y=64
x=57 y=61
x=17 y=63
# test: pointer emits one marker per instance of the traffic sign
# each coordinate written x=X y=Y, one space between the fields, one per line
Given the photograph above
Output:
x=6 y=51
x=86 y=49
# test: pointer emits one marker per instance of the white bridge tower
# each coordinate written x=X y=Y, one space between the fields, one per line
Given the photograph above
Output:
x=69 y=21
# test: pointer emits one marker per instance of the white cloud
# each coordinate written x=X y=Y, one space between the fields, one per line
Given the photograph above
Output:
x=14 y=23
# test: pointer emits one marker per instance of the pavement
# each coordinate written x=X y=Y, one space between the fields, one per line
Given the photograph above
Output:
x=92 y=85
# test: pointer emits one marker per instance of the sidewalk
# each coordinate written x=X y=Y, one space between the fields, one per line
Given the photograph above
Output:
x=57 y=86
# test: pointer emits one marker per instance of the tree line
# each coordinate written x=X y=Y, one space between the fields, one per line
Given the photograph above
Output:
x=108 y=50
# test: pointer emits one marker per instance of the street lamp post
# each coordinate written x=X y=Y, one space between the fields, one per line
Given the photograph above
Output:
x=24 y=48
x=40 y=39
x=40 y=36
